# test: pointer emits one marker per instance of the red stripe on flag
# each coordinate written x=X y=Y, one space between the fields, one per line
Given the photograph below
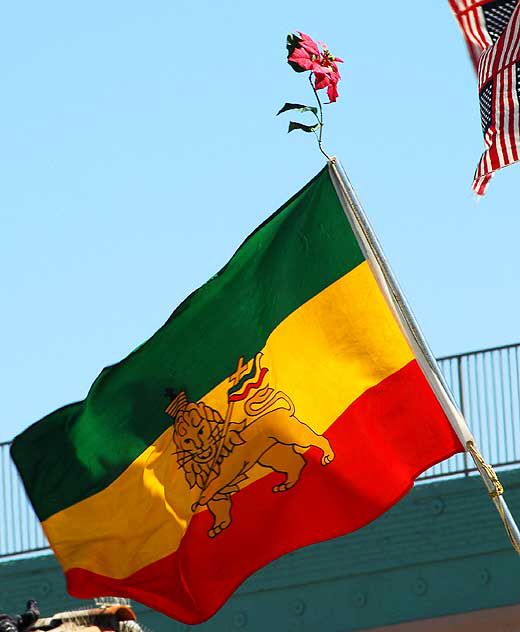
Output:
x=482 y=38
x=500 y=109
x=511 y=114
x=383 y=441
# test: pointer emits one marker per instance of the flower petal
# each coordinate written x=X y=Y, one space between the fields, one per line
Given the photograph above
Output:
x=308 y=44
x=301 y=58
x=321 y=81
x=320 y=69
x=332 y=91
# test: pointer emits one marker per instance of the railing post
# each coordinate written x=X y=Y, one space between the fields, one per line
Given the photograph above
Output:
x=462 y=407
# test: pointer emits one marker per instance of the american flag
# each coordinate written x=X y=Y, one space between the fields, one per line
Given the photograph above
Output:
x=492 y=32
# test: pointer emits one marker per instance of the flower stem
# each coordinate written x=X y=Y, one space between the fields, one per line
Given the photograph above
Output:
x=320 y=118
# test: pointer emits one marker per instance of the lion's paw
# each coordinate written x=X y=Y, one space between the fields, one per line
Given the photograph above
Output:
x=283 y=487
x=327 y=457
x=218 y=528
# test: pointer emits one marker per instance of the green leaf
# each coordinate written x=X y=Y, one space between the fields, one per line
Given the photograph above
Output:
x=304 y=128
x=293 y=41
x=299 y=107
x=296 y=67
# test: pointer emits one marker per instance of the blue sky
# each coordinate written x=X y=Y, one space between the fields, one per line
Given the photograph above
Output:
x=139 y=147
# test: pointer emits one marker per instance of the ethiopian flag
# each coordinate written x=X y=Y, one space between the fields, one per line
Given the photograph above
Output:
x=281 y=404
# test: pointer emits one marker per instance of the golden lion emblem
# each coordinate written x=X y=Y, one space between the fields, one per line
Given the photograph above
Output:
x=215 y=454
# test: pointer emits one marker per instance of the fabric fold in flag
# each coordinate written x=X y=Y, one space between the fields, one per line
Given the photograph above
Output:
x=262 y=417
x=492 y=32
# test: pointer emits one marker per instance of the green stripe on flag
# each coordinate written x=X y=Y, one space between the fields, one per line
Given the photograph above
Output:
x=80 y=449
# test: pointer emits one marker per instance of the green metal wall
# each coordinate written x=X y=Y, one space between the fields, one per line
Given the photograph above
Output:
x=442 y=550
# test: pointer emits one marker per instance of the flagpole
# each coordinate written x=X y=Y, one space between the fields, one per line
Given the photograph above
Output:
x=406 y=320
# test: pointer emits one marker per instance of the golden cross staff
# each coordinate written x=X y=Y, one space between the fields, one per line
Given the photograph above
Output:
x=234 y=378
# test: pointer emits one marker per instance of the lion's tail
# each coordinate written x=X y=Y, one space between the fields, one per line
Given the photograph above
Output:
x=267 y=399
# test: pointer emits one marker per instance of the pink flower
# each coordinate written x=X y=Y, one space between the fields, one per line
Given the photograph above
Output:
x=305 y=54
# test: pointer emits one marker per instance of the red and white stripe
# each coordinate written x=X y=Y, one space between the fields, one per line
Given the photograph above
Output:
x=496 y=62
x=471 y=20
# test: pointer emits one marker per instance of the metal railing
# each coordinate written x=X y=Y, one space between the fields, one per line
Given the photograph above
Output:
x=486 y=385
x=20 y=530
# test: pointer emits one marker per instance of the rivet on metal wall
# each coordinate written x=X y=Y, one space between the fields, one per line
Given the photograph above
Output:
x=360 y=600
x=420 y=586
x=240 y=620
x=45 y=588
x=298 y=606
x=437 y=506
x=484 y=576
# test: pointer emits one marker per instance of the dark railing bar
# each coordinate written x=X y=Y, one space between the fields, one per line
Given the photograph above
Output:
x=471 y=470
x=35 y=550
x=501 y=362
x=517 y=392
x=493 y=406
x=471 y=353
x=513 y=370
x=461 y=401
x=3 y=507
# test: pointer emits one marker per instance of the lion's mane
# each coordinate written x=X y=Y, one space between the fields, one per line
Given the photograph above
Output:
x=198 y=473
